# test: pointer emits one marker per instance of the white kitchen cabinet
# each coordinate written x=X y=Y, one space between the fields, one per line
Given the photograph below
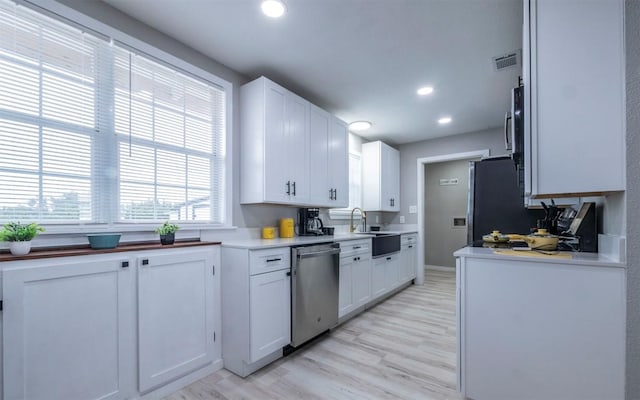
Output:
x=545 y=329
x=381 y=177
x=574 y=78
x=408 y=257
x=256 y=301
x=392 y=271
x=176 y=327
x=378 y=277
x=274 y=141
x=68 y=328
x=338 y=164
x=270 y=311
x=355 y=276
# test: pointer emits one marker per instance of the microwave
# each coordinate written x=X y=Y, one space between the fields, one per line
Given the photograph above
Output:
x=514 y=132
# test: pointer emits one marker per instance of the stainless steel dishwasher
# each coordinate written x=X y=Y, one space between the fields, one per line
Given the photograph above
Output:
x=314 y=290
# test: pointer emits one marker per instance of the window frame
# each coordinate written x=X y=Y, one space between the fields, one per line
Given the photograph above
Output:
x=75 y=18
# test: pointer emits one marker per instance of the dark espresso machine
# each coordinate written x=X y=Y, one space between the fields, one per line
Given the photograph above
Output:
x=309 y=222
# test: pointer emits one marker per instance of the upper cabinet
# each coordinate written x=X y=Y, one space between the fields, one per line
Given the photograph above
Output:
x=328 y=159
x=291 y=151
x=574 y=96
x=380 y=177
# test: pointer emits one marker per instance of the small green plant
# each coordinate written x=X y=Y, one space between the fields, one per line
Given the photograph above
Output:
x=167 y=228
x=17 y=232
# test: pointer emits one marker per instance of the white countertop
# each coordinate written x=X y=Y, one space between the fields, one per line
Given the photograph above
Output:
x=302 y=240
x=589 y=259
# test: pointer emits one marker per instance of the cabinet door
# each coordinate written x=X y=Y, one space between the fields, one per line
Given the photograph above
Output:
x=552 y=331
x=577 y=105
x=345 y=285
x=296 y=156
x=175 y=314
x=408 y=262
x=270 y=313
x=338 y=148
x=276 y=141
x=390 y=179
x=378 y=274
x=67 y=330
x=361 y=278
x=321 y=193
x=392 y=271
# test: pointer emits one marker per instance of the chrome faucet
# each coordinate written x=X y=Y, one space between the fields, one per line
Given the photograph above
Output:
x=352 y=227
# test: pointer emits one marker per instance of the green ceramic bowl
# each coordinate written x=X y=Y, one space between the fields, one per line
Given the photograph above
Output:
x=104 y=240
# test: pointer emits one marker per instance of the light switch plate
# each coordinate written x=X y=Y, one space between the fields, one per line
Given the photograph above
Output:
x=402 y=219
x=413 y=209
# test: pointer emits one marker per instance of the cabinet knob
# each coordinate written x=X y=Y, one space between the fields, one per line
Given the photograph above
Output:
x=145 y=261
x=294 y=188
x=288 y=188
x=125 y=264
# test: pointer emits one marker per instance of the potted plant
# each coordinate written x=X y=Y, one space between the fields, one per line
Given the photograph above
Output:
x=167 y=232
x=19 y=236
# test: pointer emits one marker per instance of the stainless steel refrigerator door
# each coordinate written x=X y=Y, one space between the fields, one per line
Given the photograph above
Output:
x=314 y=292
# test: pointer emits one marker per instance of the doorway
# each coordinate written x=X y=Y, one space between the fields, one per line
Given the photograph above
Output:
x=421 y=164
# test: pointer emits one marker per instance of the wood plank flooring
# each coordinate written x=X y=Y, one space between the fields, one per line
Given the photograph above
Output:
x=404 y=348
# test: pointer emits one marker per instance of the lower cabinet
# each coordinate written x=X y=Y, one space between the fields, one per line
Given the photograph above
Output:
x=67 y=329
x=354 y=283
x=270 y=310
x=175 y=319
x=385 y=274
x=408 y=258
x=256 y=313
x=540 y=330
x=71 y=330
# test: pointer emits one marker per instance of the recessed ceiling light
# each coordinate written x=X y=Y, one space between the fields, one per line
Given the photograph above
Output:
x=425 y=90
x=444 y=120
x=360 y=125
x=273 y=8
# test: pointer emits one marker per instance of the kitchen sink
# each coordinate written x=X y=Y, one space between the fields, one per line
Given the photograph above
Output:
x=383 y=243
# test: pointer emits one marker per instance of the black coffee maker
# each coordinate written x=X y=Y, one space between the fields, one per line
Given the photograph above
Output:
x=309 y=222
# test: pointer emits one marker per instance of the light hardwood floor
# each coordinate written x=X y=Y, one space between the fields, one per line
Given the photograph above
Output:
x=404 y=348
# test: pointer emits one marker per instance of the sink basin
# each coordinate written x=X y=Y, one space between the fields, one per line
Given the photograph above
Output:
x=384 y=243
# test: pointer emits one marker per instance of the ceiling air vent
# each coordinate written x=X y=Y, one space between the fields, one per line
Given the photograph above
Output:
x=506 y=61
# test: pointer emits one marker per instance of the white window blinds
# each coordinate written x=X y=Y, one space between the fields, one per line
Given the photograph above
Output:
x=93 y=132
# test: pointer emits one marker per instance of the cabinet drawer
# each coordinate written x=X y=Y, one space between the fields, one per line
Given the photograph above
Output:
x=351 y=247
x=408 y=239
x=267 y=260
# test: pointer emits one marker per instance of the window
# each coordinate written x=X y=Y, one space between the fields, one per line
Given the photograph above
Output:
x=92 y=131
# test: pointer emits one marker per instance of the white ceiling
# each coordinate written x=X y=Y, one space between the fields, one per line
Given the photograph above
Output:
x=363 y=59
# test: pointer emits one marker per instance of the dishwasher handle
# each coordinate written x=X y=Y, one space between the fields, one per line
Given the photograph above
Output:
x=319 y=253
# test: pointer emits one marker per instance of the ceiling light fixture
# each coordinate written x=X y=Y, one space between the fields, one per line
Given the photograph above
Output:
x=444 y=120
x=273 y=8
x=425 y=90
x=359 y=125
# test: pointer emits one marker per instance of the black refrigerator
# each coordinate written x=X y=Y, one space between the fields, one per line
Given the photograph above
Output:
x=496 y=200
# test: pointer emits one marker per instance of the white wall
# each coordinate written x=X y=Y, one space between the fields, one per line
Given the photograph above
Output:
x=442 y=203
x=492 y=139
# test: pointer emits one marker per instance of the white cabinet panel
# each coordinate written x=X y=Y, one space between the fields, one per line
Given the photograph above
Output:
x=292 y=152
x=408 y=258
x=270 y=310
x=274 y=140
x=175 y=316
x=552 y=331
x=392 y=271
x=381 y=177
x=361 y=280
x=378 y=277
x=67 y=329
x=345 y=285
x=338 y=163
x=575 y=81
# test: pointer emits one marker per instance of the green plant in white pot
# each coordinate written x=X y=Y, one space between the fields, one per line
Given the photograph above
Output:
x=167 y=232
x=19 y=236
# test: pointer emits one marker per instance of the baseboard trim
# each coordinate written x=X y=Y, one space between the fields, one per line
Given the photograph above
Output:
x=183 y=382
x=439 y=268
